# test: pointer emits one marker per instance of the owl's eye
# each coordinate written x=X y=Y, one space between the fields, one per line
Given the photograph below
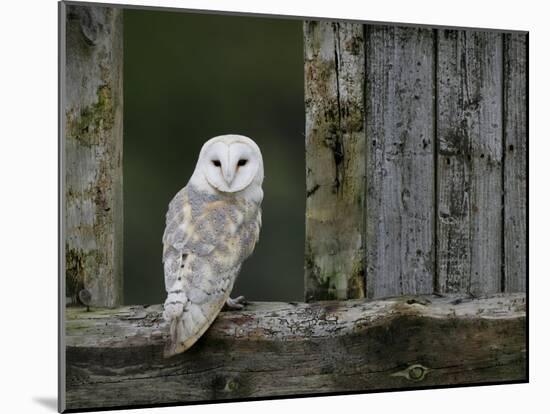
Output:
x=217 y=163
x=242 y=162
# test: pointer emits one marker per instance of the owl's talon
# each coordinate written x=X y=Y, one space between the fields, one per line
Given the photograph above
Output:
x=237 y=303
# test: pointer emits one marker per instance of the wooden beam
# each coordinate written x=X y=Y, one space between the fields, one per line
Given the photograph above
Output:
x=115 y=357
x=335 y=161
x=92 y=143
x=515 y=162
x=469 y=129
x=400 y=161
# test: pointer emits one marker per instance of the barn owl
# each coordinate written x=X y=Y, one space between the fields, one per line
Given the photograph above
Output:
x=212 y=226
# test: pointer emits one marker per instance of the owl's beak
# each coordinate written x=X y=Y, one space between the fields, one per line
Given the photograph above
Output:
x=228 y=175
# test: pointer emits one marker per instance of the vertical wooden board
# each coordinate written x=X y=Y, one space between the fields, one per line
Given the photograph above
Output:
x=469 y=122
x=335 y=160
x=93 y=153
x=515 y=162
x=400 y=161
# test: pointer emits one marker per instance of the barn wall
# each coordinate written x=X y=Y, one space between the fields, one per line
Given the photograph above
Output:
x=416 y=153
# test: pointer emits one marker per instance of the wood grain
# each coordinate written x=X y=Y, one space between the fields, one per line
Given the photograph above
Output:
x=515 y=162
x=469 y=123
x=114 y=357
x=400 y=161
x=93 y=153
x=335 y=161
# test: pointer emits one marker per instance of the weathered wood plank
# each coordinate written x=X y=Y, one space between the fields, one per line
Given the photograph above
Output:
x=93 y=153
x=515 y=162
x=400 y=161
x=469 y=122
x=114 y=357
x=335 y=161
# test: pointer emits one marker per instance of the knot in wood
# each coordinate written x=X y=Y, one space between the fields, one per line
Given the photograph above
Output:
x=231 y=385
x=414 y=372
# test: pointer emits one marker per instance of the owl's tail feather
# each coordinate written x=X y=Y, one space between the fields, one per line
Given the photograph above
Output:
x=174 y=306
x=173 y=330
x=175 y=346
x=170 y=346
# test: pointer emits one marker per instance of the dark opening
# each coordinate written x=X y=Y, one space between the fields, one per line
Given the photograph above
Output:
x=189 y=77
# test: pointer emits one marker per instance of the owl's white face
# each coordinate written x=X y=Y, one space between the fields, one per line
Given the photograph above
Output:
x=230 y=163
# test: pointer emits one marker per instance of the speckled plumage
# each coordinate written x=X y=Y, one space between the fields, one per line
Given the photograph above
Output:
x=208 y=235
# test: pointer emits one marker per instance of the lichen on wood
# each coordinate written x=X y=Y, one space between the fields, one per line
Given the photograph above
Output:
x=92 y=144
x=335 y=167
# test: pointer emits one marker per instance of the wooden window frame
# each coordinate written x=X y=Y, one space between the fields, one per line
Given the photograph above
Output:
x=399 y=330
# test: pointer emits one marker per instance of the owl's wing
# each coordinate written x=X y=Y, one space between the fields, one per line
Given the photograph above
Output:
x=206 y=298
x=202 y=257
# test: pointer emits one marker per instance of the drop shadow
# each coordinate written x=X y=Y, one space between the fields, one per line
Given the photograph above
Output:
x=48 y=402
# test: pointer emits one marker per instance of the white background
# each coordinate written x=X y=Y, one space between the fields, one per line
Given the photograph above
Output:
x=28 y=203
